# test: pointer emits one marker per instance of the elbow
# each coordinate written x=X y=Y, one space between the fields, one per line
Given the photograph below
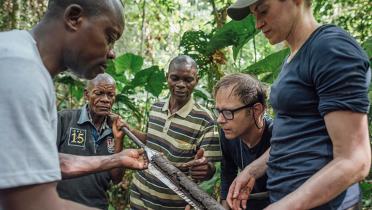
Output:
x=362 y=166
x=365 y=169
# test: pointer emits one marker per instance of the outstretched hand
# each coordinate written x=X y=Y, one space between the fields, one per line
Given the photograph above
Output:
x=239 y=190
x=133 y=159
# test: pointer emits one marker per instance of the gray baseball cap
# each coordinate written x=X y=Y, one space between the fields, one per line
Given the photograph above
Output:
x=240 y=9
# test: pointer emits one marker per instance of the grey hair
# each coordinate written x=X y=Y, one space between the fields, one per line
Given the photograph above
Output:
x=100 y=78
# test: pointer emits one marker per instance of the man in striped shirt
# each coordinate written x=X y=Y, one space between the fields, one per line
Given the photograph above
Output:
x=184 y=131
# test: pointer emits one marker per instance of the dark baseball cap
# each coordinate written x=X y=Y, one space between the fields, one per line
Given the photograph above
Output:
x=240 y=9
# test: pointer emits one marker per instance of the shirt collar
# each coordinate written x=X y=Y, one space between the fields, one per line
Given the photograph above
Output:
x=85 y=117
x=184 y=111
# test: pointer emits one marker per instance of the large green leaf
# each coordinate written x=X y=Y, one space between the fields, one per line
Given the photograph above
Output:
x=128 y=62
x=268 y=68
x=367 y=45
x=235 y=33
x=152 y=79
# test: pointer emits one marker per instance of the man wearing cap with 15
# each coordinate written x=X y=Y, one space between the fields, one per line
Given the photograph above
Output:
x=320 y=145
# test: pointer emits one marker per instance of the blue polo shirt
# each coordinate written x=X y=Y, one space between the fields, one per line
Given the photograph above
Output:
x=329 y=73
x=78 y=136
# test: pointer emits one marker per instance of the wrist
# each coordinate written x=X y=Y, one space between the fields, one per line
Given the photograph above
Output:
x=211 y=170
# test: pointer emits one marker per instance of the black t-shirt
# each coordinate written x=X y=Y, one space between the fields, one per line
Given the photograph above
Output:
x=237 y=155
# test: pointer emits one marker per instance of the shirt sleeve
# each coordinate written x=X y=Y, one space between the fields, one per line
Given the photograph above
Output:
x=59 y=131
x=28 y=125
x=209 y=141
x=340 y=73
x=228 y=168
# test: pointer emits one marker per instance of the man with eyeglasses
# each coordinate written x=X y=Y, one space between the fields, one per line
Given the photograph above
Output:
x=245 y=132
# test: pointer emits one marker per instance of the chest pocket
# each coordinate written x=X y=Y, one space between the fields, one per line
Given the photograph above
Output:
x=185 y=140
x=77 y=137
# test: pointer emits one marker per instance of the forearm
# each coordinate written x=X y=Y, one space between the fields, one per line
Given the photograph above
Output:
x=351 y=162
x=117 y=173
x=140 y=135
x=36 y=197
x=323 y=186
x=73 y=166
x=258 y=167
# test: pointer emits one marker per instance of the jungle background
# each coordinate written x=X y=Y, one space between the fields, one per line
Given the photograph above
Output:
x=158 y=30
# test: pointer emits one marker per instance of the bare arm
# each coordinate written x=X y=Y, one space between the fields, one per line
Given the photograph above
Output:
x=117 y=173
x=36 y=197
x=351 y=163
x=73 y=165
x=243 y=184
x=140 y=135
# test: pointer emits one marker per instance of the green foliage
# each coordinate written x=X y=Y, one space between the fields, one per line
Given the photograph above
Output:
x=213 y=186
x=133 y=81
x=268 y=68
x=152 y=79
x=128 y=62
x=367 y=46
x=353 y=15
x=367 y=194
x=158 y=30
x=233 y=33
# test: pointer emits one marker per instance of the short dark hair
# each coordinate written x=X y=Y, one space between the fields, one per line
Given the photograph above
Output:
x=91 y=7
x=181 y=60
x=248 y=88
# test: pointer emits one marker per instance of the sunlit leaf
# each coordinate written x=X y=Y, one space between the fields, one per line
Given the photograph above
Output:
x=269 y=67
x=152 y=79
x=128 y=62
x=235 y=33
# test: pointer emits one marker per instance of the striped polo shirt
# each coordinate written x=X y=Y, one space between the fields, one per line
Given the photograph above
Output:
x=178 y=136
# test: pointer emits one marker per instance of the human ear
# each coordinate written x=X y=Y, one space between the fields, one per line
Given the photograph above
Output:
x=86 y=94
x=258 y=109
x=73 y=16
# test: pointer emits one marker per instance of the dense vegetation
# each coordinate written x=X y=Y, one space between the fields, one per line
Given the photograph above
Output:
x=157 y=30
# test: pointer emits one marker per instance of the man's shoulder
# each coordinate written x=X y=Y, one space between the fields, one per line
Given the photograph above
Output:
x=201 y=111
x=69 y=113
x=17 y=44
x=333 y=39
x=158 y=104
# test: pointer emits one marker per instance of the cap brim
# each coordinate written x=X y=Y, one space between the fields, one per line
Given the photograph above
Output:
x=240 y=9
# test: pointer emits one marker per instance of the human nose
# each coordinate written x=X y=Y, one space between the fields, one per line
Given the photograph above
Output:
x=259 y=23
x=220 y=118
x=111 y=54
x=181 y=84
x=105 y=98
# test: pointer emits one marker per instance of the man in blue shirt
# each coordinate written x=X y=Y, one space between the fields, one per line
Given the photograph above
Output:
x=245 y=133
x=320 y=144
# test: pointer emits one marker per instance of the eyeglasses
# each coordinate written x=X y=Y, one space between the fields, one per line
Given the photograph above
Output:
x=228 y=114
